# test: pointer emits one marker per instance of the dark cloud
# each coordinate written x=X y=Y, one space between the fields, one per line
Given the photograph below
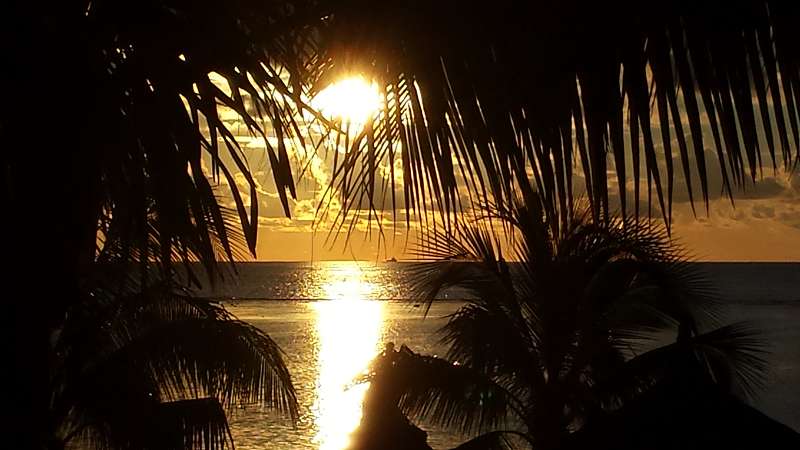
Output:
x=765 y=188
x=738 y=215
x=789 y=216
x=794 y=181
x=763 y=212
x=713 y=177
x=270 y=206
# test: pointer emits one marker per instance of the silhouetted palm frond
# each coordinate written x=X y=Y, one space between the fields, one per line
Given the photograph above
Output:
x=439 y=392
x=493 y=340
x=162 y=99
x=736 y=353
x=623 y=101
x=142 y=113
x=196 y=423
x=134 y=364
x=173 y=102
x=591 y=318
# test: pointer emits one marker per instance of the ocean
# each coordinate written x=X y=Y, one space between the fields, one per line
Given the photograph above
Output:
x=332 y=318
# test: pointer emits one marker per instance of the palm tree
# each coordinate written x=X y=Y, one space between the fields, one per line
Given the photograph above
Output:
x=112 y=121
x=593 y=318
x=114 y=143
x=149 y=367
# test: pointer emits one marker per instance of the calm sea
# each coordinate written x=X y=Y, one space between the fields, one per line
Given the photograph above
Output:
x=332 y=318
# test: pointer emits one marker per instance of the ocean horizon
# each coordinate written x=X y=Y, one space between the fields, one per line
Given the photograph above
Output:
x=331 y=318
x=736 y=281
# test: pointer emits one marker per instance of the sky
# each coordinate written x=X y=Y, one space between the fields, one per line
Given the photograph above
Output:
x=763 y=224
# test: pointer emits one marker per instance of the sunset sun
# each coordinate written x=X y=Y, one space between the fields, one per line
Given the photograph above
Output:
x=353 y=100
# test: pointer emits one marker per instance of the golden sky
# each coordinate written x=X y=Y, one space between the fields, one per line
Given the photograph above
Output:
x=755 y=230
x=764 y=224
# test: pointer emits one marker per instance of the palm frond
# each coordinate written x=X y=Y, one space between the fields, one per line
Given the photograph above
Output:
x=155 y=150
x=636 y=259
x=442 y=393
x=468 y=258
x=483 y=98
x=229 y=360
x=575 y=325
x=196 y=423
x=473 y=243
x=732 y=357
x=496 y=342
x=736 y=356
x=132 y=355
x=462 y=280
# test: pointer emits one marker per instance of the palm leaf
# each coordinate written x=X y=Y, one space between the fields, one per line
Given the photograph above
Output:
x=575 y=325
x=736 y=356
x=197 y=423
x=441 y=393
x=503 y=99
x=731 y=356
x=156 y=352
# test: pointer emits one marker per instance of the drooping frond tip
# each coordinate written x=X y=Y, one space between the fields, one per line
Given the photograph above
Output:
x=631 y=103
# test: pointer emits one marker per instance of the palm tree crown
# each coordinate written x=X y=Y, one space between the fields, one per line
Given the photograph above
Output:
x=590 y=318
x=115 y=151
x=150 y=367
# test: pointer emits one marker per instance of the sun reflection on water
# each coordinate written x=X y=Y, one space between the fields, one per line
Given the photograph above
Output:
x=349 y=332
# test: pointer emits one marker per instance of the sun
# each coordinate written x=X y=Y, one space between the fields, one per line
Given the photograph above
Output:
x=354 y=100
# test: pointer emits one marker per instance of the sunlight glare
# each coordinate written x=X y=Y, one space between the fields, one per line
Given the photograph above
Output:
x=353 y=100
x=344 y=281
x=349 y=331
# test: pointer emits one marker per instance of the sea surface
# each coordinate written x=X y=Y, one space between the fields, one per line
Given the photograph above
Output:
x=332 y=318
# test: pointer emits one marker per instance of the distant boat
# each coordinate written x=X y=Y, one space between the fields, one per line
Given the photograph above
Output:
x=391 y=260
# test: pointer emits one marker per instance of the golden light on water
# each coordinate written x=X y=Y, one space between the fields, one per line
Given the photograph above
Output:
x=349 y=332
x=352 y=100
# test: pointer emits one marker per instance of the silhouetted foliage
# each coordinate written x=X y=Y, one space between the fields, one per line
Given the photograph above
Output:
x=114 y=144
x=116 y=151
x=573 y=94
x=382 y=423
x=146 y=367
x=591 y=318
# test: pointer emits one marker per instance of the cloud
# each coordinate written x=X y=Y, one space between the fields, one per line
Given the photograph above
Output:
x=790 y=216
x=771 y=203
x=766 y=188
x=763 y=212
x=794 y=181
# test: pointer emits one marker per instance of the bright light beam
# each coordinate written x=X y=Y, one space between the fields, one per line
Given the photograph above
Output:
x=349 y=332
x=353 y=100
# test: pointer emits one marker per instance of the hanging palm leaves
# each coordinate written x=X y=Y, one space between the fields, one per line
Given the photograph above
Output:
x=556 y=91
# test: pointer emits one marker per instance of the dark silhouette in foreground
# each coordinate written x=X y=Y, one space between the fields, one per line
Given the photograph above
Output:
x=137 y=120
x=151 y=367
x=685 y=415
x=383 y=425
x=602 y=336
